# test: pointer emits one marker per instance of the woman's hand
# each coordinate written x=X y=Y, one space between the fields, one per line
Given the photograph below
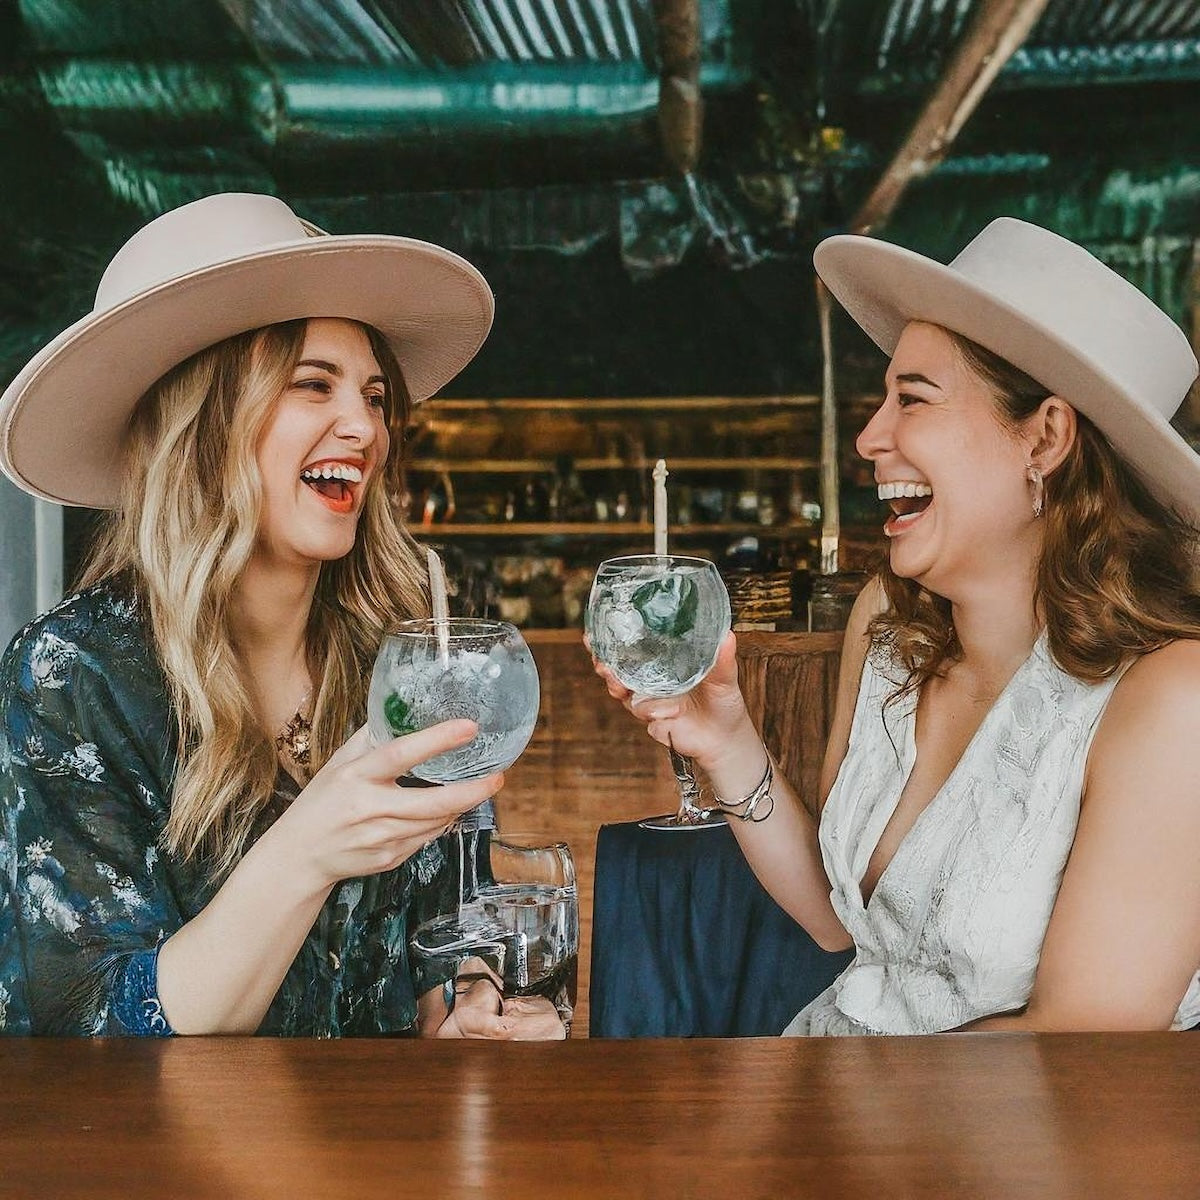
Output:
x=702 y=723
x=482 y=1011
x=353 y=819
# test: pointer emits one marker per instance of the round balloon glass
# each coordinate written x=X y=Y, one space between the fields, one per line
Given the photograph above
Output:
x=657 y=622
x=432 y=670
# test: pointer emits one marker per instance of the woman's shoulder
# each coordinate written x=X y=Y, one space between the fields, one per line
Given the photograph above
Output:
x=98 y=631
x=1167 y=676
x=1155 y=706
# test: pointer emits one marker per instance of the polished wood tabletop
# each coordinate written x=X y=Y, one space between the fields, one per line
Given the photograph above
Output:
x=966 y=1115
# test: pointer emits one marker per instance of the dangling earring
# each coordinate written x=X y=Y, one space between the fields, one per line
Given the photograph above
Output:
x=1039 y=489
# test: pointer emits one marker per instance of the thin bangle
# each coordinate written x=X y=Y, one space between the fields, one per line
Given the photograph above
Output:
x=746 y=808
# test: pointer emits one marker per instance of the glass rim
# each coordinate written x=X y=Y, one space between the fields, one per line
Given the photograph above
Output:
x=651 y=559
x=535 y=841
x=455 y=627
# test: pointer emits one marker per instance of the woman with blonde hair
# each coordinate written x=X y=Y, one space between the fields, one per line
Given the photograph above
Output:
x=1010 y=797
x=190 y=842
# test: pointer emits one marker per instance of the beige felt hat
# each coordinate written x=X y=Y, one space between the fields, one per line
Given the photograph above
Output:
x=204 y=272
x=1055 y=311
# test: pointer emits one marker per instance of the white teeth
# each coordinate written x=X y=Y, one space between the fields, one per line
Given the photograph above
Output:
x=344 y=472
x=893 y=491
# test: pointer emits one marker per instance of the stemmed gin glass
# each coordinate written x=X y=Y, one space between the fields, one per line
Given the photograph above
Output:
x=657 y=622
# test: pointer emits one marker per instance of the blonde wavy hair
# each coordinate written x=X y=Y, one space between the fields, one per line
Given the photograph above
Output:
x=1117 y=576
x=183 y=532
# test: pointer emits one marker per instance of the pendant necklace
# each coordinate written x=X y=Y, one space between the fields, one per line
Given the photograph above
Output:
x=295 y=738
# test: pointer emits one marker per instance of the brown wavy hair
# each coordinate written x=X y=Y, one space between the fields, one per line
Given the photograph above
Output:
x=1117 y=576
x=183 y=533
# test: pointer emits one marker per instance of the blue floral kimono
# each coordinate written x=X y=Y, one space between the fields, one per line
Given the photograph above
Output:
x=87 y=759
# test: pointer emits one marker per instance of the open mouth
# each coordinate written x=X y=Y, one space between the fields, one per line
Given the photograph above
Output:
x=907 y=499
x=335 y=484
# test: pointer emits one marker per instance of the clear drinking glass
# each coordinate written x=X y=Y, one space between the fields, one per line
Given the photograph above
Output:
x=430 y=670
x=522 y=921
x=657 y=622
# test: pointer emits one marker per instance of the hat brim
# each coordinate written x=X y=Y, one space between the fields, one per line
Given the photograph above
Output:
x=63 y=419
x=884 y=287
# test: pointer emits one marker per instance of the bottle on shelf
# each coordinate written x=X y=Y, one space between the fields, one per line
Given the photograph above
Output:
x=573 y=503
x=533 y=500
x=439 y=504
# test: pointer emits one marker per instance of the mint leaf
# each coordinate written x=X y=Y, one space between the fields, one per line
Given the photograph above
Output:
x=398 y=714
x=668 y=606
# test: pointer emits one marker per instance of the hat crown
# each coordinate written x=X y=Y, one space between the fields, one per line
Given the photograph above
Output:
x=1084 y=303
x=215 y=229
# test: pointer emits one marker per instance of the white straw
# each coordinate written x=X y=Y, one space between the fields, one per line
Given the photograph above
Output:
x=441 y=607
x=659 y=476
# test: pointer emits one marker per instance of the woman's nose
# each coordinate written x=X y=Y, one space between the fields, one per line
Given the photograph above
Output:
x=355 y=420
x=876 y=436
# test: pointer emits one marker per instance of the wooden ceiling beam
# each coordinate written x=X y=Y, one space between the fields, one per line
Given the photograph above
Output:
x=997 y=29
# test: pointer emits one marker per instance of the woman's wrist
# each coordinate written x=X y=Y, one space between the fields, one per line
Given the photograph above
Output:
x=290 y=862
x=738 y=763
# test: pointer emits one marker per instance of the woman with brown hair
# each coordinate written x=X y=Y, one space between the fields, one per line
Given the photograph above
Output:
x=1010 y=798
x=192 y=843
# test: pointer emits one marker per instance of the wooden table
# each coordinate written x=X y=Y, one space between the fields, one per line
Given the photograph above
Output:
x=968 y=1115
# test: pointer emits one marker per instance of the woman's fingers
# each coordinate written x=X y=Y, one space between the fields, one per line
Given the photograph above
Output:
x=654 y=708
x=440 y=804
x=615 y=687
x=725 y=669
x=480 y=1012
x=533 y=1019
x=397 y=757
x=355 y=746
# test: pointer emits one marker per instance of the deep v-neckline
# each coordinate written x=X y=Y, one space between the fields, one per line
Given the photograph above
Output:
x=910 y=752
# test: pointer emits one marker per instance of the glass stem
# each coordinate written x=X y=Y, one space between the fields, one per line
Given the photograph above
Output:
x=690 y=811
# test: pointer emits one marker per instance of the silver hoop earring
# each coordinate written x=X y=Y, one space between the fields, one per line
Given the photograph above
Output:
x=1039 y=489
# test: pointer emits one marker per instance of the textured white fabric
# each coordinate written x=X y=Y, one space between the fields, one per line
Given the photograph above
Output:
x=955 y=925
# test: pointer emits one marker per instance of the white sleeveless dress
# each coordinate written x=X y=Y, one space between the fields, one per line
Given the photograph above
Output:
x=955 y=925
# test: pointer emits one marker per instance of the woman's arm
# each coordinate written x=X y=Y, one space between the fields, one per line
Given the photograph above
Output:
x=220 y=971
x=783 y=851
x=712 y=725
x=1123 y=941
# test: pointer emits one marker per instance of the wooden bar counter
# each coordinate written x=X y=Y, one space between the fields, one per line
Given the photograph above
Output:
x=975 y=1116
x=589 y=763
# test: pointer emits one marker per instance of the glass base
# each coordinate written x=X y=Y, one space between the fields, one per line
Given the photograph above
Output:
x=670 y=823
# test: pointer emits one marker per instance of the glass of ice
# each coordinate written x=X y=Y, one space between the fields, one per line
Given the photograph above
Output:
x=430 y=670
x=657 y=622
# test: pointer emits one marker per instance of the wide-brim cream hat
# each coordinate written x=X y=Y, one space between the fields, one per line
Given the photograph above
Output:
x=204 y=272
x=1055 y=311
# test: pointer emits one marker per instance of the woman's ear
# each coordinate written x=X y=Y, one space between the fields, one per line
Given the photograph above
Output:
x=1049 y=434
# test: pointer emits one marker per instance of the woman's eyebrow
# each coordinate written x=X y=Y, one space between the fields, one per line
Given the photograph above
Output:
x=334 y=369
x=914 y=377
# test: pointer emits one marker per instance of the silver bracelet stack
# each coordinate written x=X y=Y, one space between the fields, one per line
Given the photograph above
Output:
x=747 y=808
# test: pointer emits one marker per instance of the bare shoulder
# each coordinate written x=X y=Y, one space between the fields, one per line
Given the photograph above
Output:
x=871 y=601
x=1151 y=721
x=868 y=604
x=1163 y=685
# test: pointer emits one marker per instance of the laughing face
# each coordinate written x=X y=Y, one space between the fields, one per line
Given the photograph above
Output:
x=951 y=473
x=324 y=440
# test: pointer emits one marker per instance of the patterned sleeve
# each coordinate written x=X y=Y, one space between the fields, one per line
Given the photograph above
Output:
x=87 y=899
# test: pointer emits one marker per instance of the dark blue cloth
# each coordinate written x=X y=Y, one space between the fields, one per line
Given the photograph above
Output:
x=686 y=943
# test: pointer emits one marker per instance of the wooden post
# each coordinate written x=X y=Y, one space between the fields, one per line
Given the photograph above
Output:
x=831 y=509
x=680 y=110
x=1191 y=406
